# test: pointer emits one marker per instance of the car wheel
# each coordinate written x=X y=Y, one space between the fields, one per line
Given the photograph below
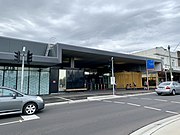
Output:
x=173 y=92
x=30 y=108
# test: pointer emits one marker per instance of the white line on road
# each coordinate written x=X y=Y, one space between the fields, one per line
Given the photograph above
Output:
x=7 y=123
x=161 y=100
x=172 y=112
x=146 y=98
x=116 y=102
x=152 y=108
x=107 y=101
x=25 y=118
x=30 y=117
x=133 y=104
x=175 y=102
x=134 y=98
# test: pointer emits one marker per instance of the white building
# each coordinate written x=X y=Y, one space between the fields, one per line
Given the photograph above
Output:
x=163 y=55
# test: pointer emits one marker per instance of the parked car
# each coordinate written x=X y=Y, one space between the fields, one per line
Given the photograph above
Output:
x=169 y=87
x=13 y=101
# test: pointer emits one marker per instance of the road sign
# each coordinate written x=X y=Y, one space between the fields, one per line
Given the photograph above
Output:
x=112 y=80
x=150 y=64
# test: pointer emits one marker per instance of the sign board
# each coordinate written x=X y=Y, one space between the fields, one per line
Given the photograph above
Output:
x=112 y=80
x=150 y=65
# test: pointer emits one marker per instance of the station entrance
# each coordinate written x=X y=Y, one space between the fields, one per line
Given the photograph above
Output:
x=96 y=81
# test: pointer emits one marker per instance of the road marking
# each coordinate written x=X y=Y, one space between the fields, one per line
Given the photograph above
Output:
x=107 y=101
x=8 y=123
x=161 y=100
x=25 y=118
x=175 y=102
x=29 y=117
x=134 y=98
x=146 y=98
x=64 y=98
x=116 y=102
x=152 y=108
x=172 y=112
x=133 y=104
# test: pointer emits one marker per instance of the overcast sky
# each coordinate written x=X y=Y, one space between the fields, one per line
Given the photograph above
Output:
x=112 y=25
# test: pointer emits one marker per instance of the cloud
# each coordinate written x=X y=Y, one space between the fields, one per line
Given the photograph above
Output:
x=120 y=26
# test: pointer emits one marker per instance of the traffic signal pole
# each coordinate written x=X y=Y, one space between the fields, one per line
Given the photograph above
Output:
x=22 y=72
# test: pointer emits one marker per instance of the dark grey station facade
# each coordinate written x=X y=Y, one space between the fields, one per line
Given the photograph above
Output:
x=61 y=67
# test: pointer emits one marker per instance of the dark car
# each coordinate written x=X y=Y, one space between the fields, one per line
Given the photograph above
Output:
x=13 y=101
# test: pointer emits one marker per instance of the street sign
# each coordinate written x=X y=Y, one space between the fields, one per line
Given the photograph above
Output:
x=112 y=80
x=150 y=64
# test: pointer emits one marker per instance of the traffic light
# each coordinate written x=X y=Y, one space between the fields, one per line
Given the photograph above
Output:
x=17 y=56
x=29 y=57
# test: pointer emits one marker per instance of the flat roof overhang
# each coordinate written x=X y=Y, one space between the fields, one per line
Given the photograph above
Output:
x=86 y=57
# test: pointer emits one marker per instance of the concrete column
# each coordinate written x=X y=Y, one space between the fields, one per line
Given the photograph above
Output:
x=72 y=62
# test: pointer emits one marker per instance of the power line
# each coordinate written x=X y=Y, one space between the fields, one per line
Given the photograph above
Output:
x=176 y=46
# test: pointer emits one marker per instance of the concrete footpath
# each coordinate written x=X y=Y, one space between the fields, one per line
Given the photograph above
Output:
x=169 y=129
x=81 y=95
x=168 y=126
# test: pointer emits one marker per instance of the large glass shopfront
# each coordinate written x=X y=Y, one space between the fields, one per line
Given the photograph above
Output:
x=36 y=80
x=71 y=79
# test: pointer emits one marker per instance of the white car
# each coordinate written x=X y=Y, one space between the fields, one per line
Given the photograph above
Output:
x=169 y=87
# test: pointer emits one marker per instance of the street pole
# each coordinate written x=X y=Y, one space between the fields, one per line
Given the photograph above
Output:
x=112 y=61
x=147 y=77
x=22 y=72
x=170 y=70
x=165 y=75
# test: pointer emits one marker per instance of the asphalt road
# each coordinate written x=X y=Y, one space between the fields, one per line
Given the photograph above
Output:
x=119 y=116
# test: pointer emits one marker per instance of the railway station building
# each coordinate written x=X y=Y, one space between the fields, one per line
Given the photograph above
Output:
x=62 y=67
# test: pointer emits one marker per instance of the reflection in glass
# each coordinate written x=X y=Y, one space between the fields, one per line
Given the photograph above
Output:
x=1 y=77
x=62 y=79
x=34 y=82
x=44 y=82
x=10 y=78
x=75 y=79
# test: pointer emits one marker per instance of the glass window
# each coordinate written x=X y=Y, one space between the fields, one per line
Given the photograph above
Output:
x=1 y=77
x=34 y=82
x=175 y=83
x=44 y=82
x=62 y=79
x=10 y=77
x=1 y=92
x=165 y=83
x=6 y=93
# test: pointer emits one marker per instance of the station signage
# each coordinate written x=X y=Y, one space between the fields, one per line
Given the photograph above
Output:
x=150 y=64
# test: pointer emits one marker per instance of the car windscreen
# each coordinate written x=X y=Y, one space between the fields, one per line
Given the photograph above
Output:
x=165 y=84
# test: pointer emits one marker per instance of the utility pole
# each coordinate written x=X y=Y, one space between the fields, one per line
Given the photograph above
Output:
x=22 y=72
x=113 y=78
x=170 y=69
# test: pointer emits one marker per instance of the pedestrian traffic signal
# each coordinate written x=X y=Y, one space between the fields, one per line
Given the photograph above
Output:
x=29 y=57
x=17 y=56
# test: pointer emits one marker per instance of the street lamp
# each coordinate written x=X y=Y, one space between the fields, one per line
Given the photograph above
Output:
x=170 y=70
